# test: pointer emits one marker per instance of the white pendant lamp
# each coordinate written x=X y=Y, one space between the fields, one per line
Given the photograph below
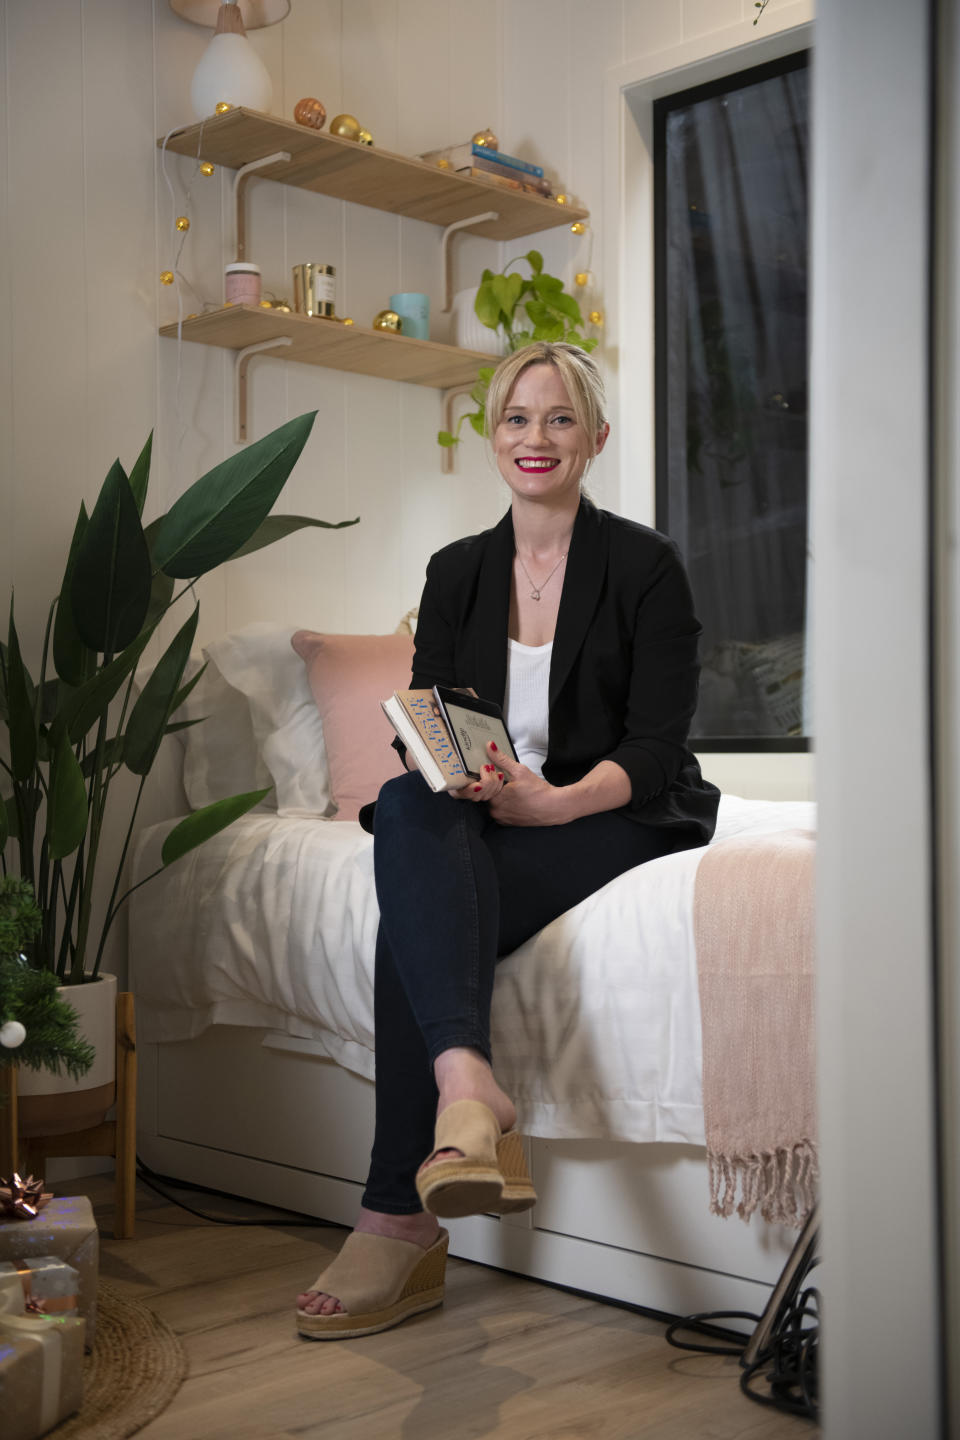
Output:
x=230 y=69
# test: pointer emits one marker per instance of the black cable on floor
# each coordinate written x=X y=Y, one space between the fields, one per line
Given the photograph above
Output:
x=156 y=1182
x=787 y=1361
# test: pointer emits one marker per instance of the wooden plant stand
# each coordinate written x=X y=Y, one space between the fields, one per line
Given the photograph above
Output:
x=118 y=1137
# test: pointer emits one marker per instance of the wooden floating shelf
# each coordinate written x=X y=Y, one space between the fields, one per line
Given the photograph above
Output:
x=366 y=175
x=339 y=347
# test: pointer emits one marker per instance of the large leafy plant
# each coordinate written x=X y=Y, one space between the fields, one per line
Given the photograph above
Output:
x=72 y=730
x=522 y=309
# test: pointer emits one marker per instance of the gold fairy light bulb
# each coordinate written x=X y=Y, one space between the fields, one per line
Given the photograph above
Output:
x=561 y=199
x=166 y=277
x=581 y=277
x=578 y=228
x=596 y=317
x=223 y=106
x=206 y=168
x=183 y=223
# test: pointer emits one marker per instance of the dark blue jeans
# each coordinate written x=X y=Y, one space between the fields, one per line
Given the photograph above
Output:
x=456 y=891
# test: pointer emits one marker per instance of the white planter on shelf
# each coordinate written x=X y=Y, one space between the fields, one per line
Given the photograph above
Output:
x=468 y=332
x=54 y=1104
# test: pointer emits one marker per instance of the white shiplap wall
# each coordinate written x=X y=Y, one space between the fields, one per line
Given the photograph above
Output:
x=88 y=226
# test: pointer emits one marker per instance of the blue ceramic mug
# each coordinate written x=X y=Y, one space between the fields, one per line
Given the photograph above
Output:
x=414 y=310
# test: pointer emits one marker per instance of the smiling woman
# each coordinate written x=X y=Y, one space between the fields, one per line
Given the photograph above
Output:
x=580 y=625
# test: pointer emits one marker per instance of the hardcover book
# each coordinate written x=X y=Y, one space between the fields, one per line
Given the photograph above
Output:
x=461 y=157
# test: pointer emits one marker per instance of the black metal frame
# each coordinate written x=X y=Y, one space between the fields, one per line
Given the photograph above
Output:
x=740 y=80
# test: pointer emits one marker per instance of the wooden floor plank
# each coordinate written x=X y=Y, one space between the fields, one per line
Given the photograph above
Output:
x=504 y=1359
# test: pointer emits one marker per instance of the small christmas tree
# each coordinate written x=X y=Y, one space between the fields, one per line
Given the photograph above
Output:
x=37 y=1028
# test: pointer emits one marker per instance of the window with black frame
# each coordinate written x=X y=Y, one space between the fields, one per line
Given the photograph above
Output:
x=731 y=171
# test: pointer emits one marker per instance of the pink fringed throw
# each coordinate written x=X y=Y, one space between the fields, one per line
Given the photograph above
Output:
x=754 y=927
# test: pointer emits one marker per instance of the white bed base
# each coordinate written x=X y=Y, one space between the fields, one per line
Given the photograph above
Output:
x=261 y=1115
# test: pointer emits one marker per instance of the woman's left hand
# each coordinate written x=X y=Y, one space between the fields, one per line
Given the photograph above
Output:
x=528 y=799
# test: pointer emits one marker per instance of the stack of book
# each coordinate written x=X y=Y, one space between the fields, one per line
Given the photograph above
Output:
x=483 y=163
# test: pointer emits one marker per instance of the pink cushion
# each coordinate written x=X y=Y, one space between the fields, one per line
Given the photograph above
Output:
x=349 y=676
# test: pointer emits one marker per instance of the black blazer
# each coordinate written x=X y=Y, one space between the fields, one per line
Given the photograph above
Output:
x=623 y=672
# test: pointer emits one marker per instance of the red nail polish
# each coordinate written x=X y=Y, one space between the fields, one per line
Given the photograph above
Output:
x=499 y=777
x=478 y=787
x=493 y=744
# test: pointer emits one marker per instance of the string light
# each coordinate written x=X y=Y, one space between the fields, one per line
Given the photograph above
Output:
x=222 y=106
x=183 y=223
x=206 y=168
x=578 y=228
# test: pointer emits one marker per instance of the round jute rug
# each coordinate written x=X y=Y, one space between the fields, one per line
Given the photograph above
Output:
x=136 y=1368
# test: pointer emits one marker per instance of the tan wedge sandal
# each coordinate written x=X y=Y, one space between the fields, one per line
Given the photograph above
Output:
x=379 y=1282
x=490 y=1174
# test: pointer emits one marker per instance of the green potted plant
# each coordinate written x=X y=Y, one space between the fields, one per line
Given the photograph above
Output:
x=522 y=309
x=71 y=729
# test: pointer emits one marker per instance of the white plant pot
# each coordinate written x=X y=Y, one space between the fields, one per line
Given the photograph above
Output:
x=468 y=332
x=51 y=1104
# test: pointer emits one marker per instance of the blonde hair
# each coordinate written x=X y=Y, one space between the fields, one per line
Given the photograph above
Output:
x=579 y=373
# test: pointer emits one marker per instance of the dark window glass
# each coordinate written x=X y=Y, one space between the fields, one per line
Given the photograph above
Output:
x=731 y=285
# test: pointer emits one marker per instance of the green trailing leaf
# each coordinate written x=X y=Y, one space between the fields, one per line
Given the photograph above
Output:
x=202 y=824
x=66 y=801
x=140 y=474
x=21 y=709
x=507 y=289
x=278 y=527
x=222 y=510
x=155 y=704
x=85 y=706
x=445 y=438
x=478 y=421
x=487 y=306
x=535 y=261
x=73 y=661
x=110 y=584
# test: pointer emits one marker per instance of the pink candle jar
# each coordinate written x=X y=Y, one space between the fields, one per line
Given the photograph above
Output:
x=241 y=284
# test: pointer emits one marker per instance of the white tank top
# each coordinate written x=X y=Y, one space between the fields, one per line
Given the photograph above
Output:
x=526 y=703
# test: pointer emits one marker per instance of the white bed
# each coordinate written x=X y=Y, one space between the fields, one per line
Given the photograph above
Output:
x=252 y=960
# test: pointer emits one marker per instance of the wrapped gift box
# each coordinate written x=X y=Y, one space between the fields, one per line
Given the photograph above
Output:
x=41 y=1365
x=64 y=1228
x=48 y=1284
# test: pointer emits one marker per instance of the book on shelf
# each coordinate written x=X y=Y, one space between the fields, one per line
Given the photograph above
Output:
x=461 y=157
x=415 y=716
x=492 y=167
x=507 y=181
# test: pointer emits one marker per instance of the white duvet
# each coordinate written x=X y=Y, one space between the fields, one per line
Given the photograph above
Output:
x=596 y=1020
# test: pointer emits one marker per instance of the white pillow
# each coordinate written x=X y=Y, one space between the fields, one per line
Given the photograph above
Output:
x=258 y=663
x=221 y=757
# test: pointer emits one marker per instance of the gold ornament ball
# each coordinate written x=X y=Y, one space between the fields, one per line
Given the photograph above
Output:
x=222 y=106
x=581 y=277
x=443 y=164
x=206 y=168
x=596 y=317
x=266 y=304
x=578 y=228
x=346 y=126
x=166 y=277
x=183 y=223
x=348 y=321
x=487 y=139
x=561 y=199
x=364 y=137
x=387 y=320
x=309 y=111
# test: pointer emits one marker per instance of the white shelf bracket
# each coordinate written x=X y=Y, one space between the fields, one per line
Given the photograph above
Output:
x=240 y=362
x=447 y=466
x=445 y=250
x=239 y=193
